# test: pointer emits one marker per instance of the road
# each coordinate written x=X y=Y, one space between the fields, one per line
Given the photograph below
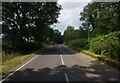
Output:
x=60 y=63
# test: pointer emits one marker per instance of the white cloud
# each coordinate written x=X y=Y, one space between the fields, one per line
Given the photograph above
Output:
x=61 y=1
x=70 y=14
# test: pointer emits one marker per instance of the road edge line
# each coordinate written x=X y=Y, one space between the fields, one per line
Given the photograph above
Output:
x=18 y=68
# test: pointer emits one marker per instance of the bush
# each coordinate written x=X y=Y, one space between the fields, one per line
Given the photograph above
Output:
x=78 y=43
x=24 y=48
x=107 y=45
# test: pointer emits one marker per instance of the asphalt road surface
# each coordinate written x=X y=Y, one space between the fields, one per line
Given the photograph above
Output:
x=60 y=63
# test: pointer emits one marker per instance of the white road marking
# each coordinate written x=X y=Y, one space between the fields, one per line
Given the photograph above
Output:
x=62 y=59
x=18 y=69
x=66 y=77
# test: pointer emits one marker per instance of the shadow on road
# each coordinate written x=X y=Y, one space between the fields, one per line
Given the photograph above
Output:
x=74 y=72
x=57 y=50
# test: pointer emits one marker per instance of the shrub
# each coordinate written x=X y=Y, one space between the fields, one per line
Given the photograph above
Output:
x=107 y=45
x=78 y=43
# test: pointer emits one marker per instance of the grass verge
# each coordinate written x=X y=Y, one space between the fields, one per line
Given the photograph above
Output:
x=90 y=54
x=13 y=62
x=113 y=63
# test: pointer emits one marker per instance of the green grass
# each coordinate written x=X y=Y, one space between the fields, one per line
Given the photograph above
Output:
x=6 y=57
x=12 y=62
x=90 y=54
x=113 y=63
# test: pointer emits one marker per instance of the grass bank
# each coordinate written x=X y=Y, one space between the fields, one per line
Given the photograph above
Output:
x=11 y=61
x=113 y=63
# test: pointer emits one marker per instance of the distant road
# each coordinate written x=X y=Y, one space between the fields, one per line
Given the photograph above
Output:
x=60 y=63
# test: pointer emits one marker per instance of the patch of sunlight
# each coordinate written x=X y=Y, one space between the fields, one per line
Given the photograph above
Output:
x=92 y=75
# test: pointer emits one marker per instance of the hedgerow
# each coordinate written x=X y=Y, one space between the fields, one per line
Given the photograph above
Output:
x=107 y=45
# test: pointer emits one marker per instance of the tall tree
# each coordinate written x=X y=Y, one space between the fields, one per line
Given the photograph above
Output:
x=29 y=21
x=57 y=37
x=103 y=16
x=71 y=34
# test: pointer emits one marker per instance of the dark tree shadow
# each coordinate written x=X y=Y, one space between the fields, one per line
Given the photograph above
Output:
x=57 y=49
x=94 y=72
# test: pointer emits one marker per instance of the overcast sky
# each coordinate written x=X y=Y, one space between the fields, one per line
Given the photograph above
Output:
x=70 y=14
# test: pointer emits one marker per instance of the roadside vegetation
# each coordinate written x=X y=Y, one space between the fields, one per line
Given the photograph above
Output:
x=26 y=29
x=99 y=34
x=11 y=61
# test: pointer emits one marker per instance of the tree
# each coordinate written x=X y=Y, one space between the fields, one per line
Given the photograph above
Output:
x=54 y=36
x=28 y=22
x=58 y=37
x=102 y=16
x=70 y=34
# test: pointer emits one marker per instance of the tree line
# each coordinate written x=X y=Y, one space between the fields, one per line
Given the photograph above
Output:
x=26 y=25
x=99 y=31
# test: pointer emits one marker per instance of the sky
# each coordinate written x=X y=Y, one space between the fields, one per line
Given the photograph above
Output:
x=70 y=14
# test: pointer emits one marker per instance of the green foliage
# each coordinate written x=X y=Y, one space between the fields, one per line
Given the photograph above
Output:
x=0 y=42
x=107 y=45
x=28 y=23
x=54 y=36
x=99 y=32
x=11 y=61
x=57 y=37
x=6 y=57
x=104 y=17
x=78 y=43
x=84 y=32
x=71 y=34
x=105 y=33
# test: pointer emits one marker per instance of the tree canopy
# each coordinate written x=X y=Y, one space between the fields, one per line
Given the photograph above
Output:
x=99 y=32
x=25 y=22
x=103 y=16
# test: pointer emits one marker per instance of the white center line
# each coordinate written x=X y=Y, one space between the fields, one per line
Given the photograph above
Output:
x=18 y=69
x=66 y=76
x=62 y=59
